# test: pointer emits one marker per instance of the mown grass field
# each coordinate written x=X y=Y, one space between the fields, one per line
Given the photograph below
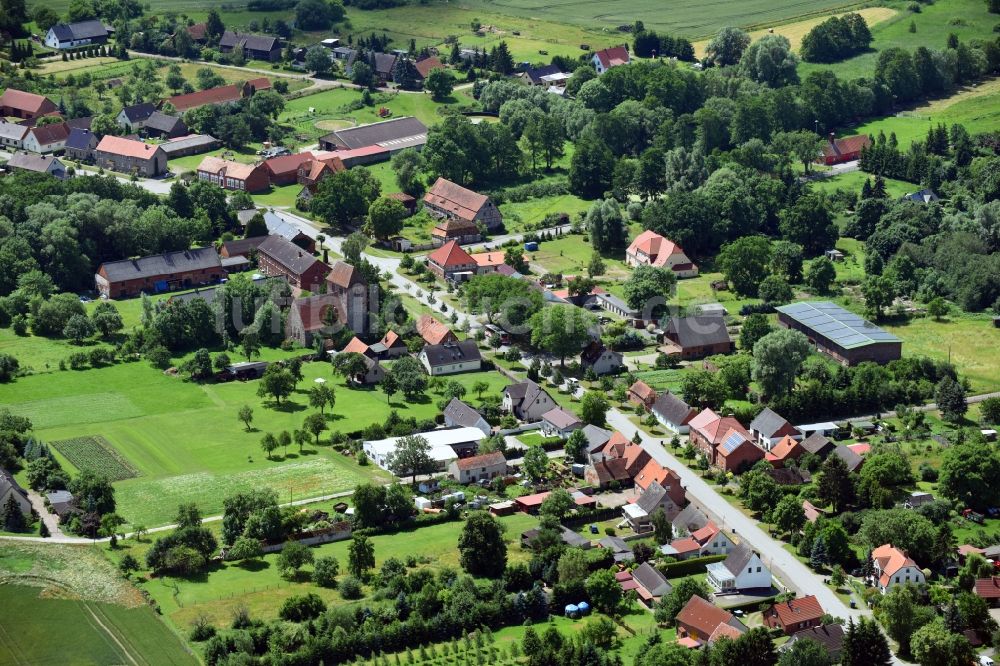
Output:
x=970 y=341
x=186 y=442
x=968 y=19
x=977 y=108
x=38 y=631
x=260 y=587
x=853 y=181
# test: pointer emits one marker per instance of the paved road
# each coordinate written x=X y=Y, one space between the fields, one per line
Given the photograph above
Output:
x=785 y=565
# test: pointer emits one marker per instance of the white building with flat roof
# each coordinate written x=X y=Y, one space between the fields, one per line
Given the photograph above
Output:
x=445 y=446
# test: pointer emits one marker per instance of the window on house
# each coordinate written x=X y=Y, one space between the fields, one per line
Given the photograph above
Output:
x=758 y=569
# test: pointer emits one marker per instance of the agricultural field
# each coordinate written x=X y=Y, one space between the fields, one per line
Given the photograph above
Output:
x=74 y=593
x=185 y=441
x=88 y=632
x=968 y=19
x=689 y=18
x=796 y=30
x=95 y=454
x=260 y=587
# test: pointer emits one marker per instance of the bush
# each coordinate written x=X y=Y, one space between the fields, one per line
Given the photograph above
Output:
x=201 y=629
x=928 y=473
x=301 y=608
x=350 y=588
x=325 y=572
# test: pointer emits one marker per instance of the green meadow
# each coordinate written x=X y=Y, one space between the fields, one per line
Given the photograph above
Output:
x=186 y=442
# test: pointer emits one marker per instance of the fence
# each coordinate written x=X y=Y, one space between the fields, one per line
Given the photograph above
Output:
x=315 y=539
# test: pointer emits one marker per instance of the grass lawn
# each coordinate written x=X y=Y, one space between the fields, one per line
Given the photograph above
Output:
x=570 y=254
x=88 y=632
x=968 y=19
x=970 y=341
x=260 y=587
x=247 y=155
x=698 y=290
x=528 y=215
x=314 y=115
x=852 y=181
x=185 y=441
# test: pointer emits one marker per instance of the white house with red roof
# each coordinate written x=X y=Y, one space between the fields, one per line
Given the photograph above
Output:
x=605 y=59
x=117 y=153
x=449 y=260
x=651 y=249
x=894 y=567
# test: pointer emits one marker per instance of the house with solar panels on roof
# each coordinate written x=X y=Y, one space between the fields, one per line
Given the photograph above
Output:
x=842 y=335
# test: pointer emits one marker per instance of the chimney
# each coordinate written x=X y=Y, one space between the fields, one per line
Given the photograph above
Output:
x=833 y=137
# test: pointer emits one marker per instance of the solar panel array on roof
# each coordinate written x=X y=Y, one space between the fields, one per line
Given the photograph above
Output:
x=837 y=324
x=732 y=442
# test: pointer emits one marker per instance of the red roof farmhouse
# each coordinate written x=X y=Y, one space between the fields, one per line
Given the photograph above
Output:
x=794 y=615
x=848 y=149
x=450 y=259
x=234 y=175
x=219 y=95
x=651 y=249
x=116 y=153
x=449 y=200
x=20 y=104
x=158 y=273
x=605 y=59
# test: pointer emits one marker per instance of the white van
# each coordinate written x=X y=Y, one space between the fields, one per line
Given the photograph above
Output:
x=985 y=661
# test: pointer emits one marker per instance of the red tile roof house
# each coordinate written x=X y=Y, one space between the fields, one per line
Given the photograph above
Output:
x=785 y=450
x=848 y=149
x=699 y=619
x=605 y=59
x=159 y=273
x=278 y=257
x=427 y=65
x=449 y=200
x=393 y=345
x=707 y=540
x=894 y=567
x=769 y=428
x=450 y=259
x=478 y=468
x=794 y=615
x=127 y=156
x=306 y=318
x=25 y=105
x=310 y=173
x=640 y=393
x=488 y=262
x=651 y=249
x=47 y=138
x=284 y=170
x=220 y=95
x=988 y=589
x=736 y=453
x=708 y=429
x=234 y=175
x=653 y=472
x=434 y=332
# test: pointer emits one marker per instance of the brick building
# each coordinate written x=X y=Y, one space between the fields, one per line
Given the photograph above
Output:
x=158 y=273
